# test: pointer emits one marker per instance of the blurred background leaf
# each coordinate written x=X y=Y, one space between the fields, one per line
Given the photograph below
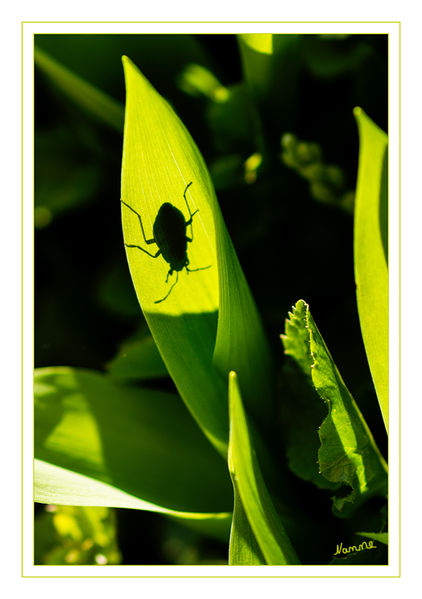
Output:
x=138 y=359
x=76 y=536
x=85 y=95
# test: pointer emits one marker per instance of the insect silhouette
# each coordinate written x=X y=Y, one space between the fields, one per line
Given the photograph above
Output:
x=169 y=235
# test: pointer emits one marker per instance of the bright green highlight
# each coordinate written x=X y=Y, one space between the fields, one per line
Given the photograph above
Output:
x=252 y=496
x=98 y=443
x=371 y=251
x=159 y=160
x=61 y=486
x=259 y=42
x=348 y=453
x=199 y=81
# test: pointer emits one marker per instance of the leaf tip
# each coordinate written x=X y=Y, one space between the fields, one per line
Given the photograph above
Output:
x=128 y=65
x=301 y=304
x=126 y=60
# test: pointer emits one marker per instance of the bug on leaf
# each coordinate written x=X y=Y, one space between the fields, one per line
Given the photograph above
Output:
x=169 y=235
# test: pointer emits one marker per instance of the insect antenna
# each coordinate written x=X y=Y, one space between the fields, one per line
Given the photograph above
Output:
x=166 y=296
x=195 y=269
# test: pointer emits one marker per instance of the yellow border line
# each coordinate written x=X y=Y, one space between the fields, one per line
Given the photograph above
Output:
x=22 y=299
x=400 y=299
x=22 y=176
x=206 y=22
x=99 y=576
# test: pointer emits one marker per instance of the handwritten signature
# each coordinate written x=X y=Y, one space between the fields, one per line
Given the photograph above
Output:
x=354 y=548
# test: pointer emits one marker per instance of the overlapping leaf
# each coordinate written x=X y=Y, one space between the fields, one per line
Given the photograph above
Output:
x=101 y=444
x=348 y=453
x=257 y=530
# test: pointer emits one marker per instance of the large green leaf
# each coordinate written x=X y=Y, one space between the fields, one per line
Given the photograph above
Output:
x=371 y=251
x=98 y=443
x=255 y=510
x=348 y=453
x=207 y=323
x=93 y=100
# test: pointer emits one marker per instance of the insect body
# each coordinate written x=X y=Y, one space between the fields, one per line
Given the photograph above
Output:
x=169 y=235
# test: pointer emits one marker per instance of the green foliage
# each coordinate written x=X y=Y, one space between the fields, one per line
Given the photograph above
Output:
x=326 y=182
x=382 y=537
x=138 y=359
x=140 y=427
x=88 y=97
x=347 y=454
x=76 y=535
x=195 y=348
x=100 y=444
x=371 y=251
x=252 y=497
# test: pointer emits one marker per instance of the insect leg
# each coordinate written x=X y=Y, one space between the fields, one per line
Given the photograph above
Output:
x=166 y=296
x=195 y=269
x=138 y=247
x=189 y=222
x=147 y=241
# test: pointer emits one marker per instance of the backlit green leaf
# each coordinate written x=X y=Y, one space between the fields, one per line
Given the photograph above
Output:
x=348 y=453
x=62 y=486
x=98 y=443
x=250 y=489
x=371 y=251
x=204 y=323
